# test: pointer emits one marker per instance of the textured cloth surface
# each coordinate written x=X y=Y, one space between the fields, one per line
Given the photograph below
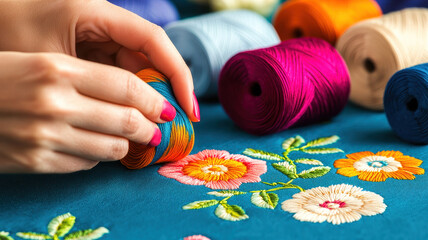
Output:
x=141 y=204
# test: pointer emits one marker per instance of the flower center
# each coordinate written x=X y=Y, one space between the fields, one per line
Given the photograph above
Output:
x=215 y=169
x=333 y=205
x=377 y=164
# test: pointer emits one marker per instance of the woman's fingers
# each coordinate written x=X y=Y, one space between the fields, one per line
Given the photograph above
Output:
x=17 y=157
x=122 y=87
x=111 y=119
x=137 y=34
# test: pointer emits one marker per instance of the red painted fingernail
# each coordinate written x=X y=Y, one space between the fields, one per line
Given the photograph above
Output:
x=156 y=139
x=168 y=112
x=196 y=113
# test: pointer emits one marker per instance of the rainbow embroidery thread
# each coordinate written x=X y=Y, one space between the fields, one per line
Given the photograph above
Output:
x=335 y=204
x=215 y=169
x=380 y=166
x=178 y=136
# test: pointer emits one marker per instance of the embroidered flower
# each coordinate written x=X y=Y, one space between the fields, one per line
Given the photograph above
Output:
x=215 y=169
x=380 y=166
x=335 y=204
x=196 y=237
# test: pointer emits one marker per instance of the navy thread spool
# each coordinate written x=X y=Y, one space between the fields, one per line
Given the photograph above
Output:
x=160 y=12
x=406 y=103
x=206 y=42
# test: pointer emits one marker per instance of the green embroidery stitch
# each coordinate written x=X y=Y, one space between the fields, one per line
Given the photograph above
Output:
x=266 y=198
x=201 y=204
x=230 y=212
x=60 y=226
x=5 y=236
x=88 y=234
x=226 y=193
x=32 y=235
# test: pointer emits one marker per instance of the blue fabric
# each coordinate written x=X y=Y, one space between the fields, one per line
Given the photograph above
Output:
x=141 y=204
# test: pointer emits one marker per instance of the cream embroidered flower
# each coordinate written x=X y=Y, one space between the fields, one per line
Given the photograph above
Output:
x=335 y=204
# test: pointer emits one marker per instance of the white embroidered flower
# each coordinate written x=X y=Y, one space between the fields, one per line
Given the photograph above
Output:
x=335 y=204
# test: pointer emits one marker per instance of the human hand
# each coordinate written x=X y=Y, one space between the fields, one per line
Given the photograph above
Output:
x=99 y=31
x=62 y=114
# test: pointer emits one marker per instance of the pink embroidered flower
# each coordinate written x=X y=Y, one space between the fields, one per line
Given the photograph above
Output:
x=196 y=237
x=215 y=169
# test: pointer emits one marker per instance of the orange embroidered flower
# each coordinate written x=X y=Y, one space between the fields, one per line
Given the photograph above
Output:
x=380 y=166
x=215 y=169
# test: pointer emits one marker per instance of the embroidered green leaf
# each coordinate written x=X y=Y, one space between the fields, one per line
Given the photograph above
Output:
x=226 y=193
x=262 y=154
x=322 y=141
x=292 y=142
x=201 y=204
x=88 y=234
x=308 y=161
x=286 y=168
x=322 y=150
x=314 y=172
x=32 y=235
x=264 y=199
x=61 y=225
x=5 y=236
x=230 y=212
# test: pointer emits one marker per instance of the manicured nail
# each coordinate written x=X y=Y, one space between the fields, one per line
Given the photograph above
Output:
x=168 y=112
x=156 y=139
x=196 y=113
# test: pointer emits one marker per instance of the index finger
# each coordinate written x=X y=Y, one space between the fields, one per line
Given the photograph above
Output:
x=138 y=34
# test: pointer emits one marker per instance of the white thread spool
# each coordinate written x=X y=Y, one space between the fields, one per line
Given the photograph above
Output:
x=375 y=49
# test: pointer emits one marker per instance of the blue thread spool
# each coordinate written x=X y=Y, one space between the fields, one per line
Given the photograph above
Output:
x=394 y=5
x=177 y=136
x=160 y=12
x=208 y=41
x=406 y=103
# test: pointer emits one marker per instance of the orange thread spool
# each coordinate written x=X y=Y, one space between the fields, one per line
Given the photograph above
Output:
x=325 y=19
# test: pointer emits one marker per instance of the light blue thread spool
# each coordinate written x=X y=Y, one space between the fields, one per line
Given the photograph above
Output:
x=206 y=43
x=406 y=103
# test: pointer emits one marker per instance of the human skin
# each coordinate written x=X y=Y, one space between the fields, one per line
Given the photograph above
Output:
x=68 y=95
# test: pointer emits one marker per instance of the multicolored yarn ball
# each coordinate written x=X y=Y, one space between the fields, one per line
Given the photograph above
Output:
x=298 y=82
x=160 y=12
x=377 y=48
x=394 y=5
x=406 y=104
x=263 y=7
x=325 y=19
x=206 y=42
x=177 y=136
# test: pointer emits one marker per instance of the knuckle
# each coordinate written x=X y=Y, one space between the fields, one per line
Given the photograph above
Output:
x=36 y=161
x=131 y=122
x=50 y=68
x=118 y=149
x=38 y=134
x=132 y=89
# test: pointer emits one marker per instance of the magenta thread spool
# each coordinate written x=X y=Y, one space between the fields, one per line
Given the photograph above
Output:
x=297 y=82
